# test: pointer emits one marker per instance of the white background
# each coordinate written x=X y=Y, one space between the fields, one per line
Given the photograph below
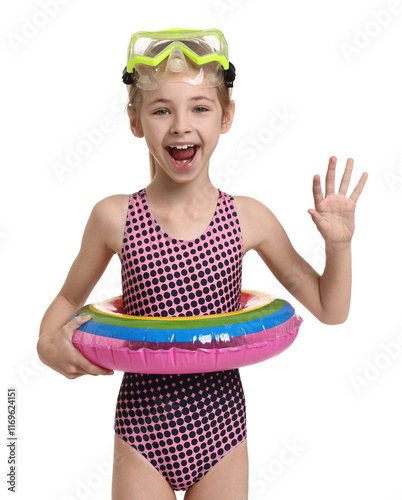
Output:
x=334 y=396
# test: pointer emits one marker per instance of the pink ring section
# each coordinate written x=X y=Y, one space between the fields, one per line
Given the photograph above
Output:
x=116 y=354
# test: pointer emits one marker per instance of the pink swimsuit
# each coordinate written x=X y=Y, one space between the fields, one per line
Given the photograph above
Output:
x=182 y=424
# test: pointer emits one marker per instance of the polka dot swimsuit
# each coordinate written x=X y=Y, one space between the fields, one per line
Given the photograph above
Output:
x=182 y=424
x=162 y=276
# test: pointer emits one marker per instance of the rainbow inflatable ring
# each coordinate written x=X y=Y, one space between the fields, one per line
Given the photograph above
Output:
x=262 y=328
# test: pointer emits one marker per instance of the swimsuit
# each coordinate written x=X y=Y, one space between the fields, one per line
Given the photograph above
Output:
x=182 y=424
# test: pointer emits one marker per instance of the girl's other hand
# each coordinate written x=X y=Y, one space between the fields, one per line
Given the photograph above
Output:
x=58 y=352
x=334 y=215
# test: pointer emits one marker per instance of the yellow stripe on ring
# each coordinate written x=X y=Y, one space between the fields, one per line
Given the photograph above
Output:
x=265 y=299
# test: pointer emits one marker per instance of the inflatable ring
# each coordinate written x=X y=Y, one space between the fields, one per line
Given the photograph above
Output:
x=260 y=329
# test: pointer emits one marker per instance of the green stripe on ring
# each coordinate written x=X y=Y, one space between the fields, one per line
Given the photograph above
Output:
x=162 y=323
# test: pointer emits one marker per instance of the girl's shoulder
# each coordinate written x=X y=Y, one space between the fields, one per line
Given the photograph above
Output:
x=113 y=205
x=109 y=217
x=257 y=222
x=250 y=209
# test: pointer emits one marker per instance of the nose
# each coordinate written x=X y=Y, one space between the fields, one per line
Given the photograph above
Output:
x=181 y=124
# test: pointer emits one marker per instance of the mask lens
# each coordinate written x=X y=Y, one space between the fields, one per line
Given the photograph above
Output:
x=176 y=61
x=196 y=56
x=205 y=76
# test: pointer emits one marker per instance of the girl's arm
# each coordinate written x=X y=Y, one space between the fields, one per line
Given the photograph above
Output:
x=326 y=296
x=104 y=229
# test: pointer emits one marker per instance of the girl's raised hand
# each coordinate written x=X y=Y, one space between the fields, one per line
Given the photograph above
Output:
x=58 y=352
x=334 y=215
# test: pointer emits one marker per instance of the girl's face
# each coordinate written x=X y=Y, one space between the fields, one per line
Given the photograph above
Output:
x=181 y=124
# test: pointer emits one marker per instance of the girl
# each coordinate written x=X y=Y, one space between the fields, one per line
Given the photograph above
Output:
x=181 y=242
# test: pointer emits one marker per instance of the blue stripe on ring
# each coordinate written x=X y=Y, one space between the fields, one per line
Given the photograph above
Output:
x=205 y=334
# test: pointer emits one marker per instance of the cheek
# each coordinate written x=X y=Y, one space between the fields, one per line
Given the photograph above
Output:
x=152 y=133
x=213 y=134
x=152 y=146
x=154 y=143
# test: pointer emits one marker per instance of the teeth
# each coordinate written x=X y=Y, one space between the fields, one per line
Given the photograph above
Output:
x=183 y=147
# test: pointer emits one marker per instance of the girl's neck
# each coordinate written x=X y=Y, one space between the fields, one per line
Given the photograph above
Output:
x=194 y=196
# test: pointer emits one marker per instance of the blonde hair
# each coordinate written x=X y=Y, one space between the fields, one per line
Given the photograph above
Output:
x=135 y=101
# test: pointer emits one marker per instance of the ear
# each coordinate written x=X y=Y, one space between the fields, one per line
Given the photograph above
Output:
x=227 y=118
x=135 y=124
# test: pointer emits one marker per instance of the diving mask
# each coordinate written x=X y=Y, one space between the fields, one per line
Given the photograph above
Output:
x=198 y=57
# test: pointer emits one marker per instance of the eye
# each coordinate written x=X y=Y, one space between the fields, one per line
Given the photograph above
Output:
x=200 y=109
x=161 y=112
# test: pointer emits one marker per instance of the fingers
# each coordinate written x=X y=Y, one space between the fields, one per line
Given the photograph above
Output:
x=346 y=177
x=82 y=365
x=318 y=220
x=359 y=188
x=314 y=214
x=78 y=321
x=90 y=368
x=58 y=352
x=317 y=192
x=70 y=327
x=345 y=182
x=330 y=178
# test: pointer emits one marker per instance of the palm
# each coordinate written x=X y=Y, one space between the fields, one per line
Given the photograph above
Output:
x=334 y=215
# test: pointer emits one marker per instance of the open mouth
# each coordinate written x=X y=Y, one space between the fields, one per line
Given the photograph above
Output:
x=182 y=154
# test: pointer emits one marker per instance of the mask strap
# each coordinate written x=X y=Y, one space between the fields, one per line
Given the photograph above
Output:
x=230 y=75
x=127 y=77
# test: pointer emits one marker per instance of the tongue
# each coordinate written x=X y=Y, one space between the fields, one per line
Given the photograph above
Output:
x=182 y=154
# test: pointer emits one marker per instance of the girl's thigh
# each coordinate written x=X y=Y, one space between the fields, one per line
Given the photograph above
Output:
x=134 y=478
x=227 y=480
